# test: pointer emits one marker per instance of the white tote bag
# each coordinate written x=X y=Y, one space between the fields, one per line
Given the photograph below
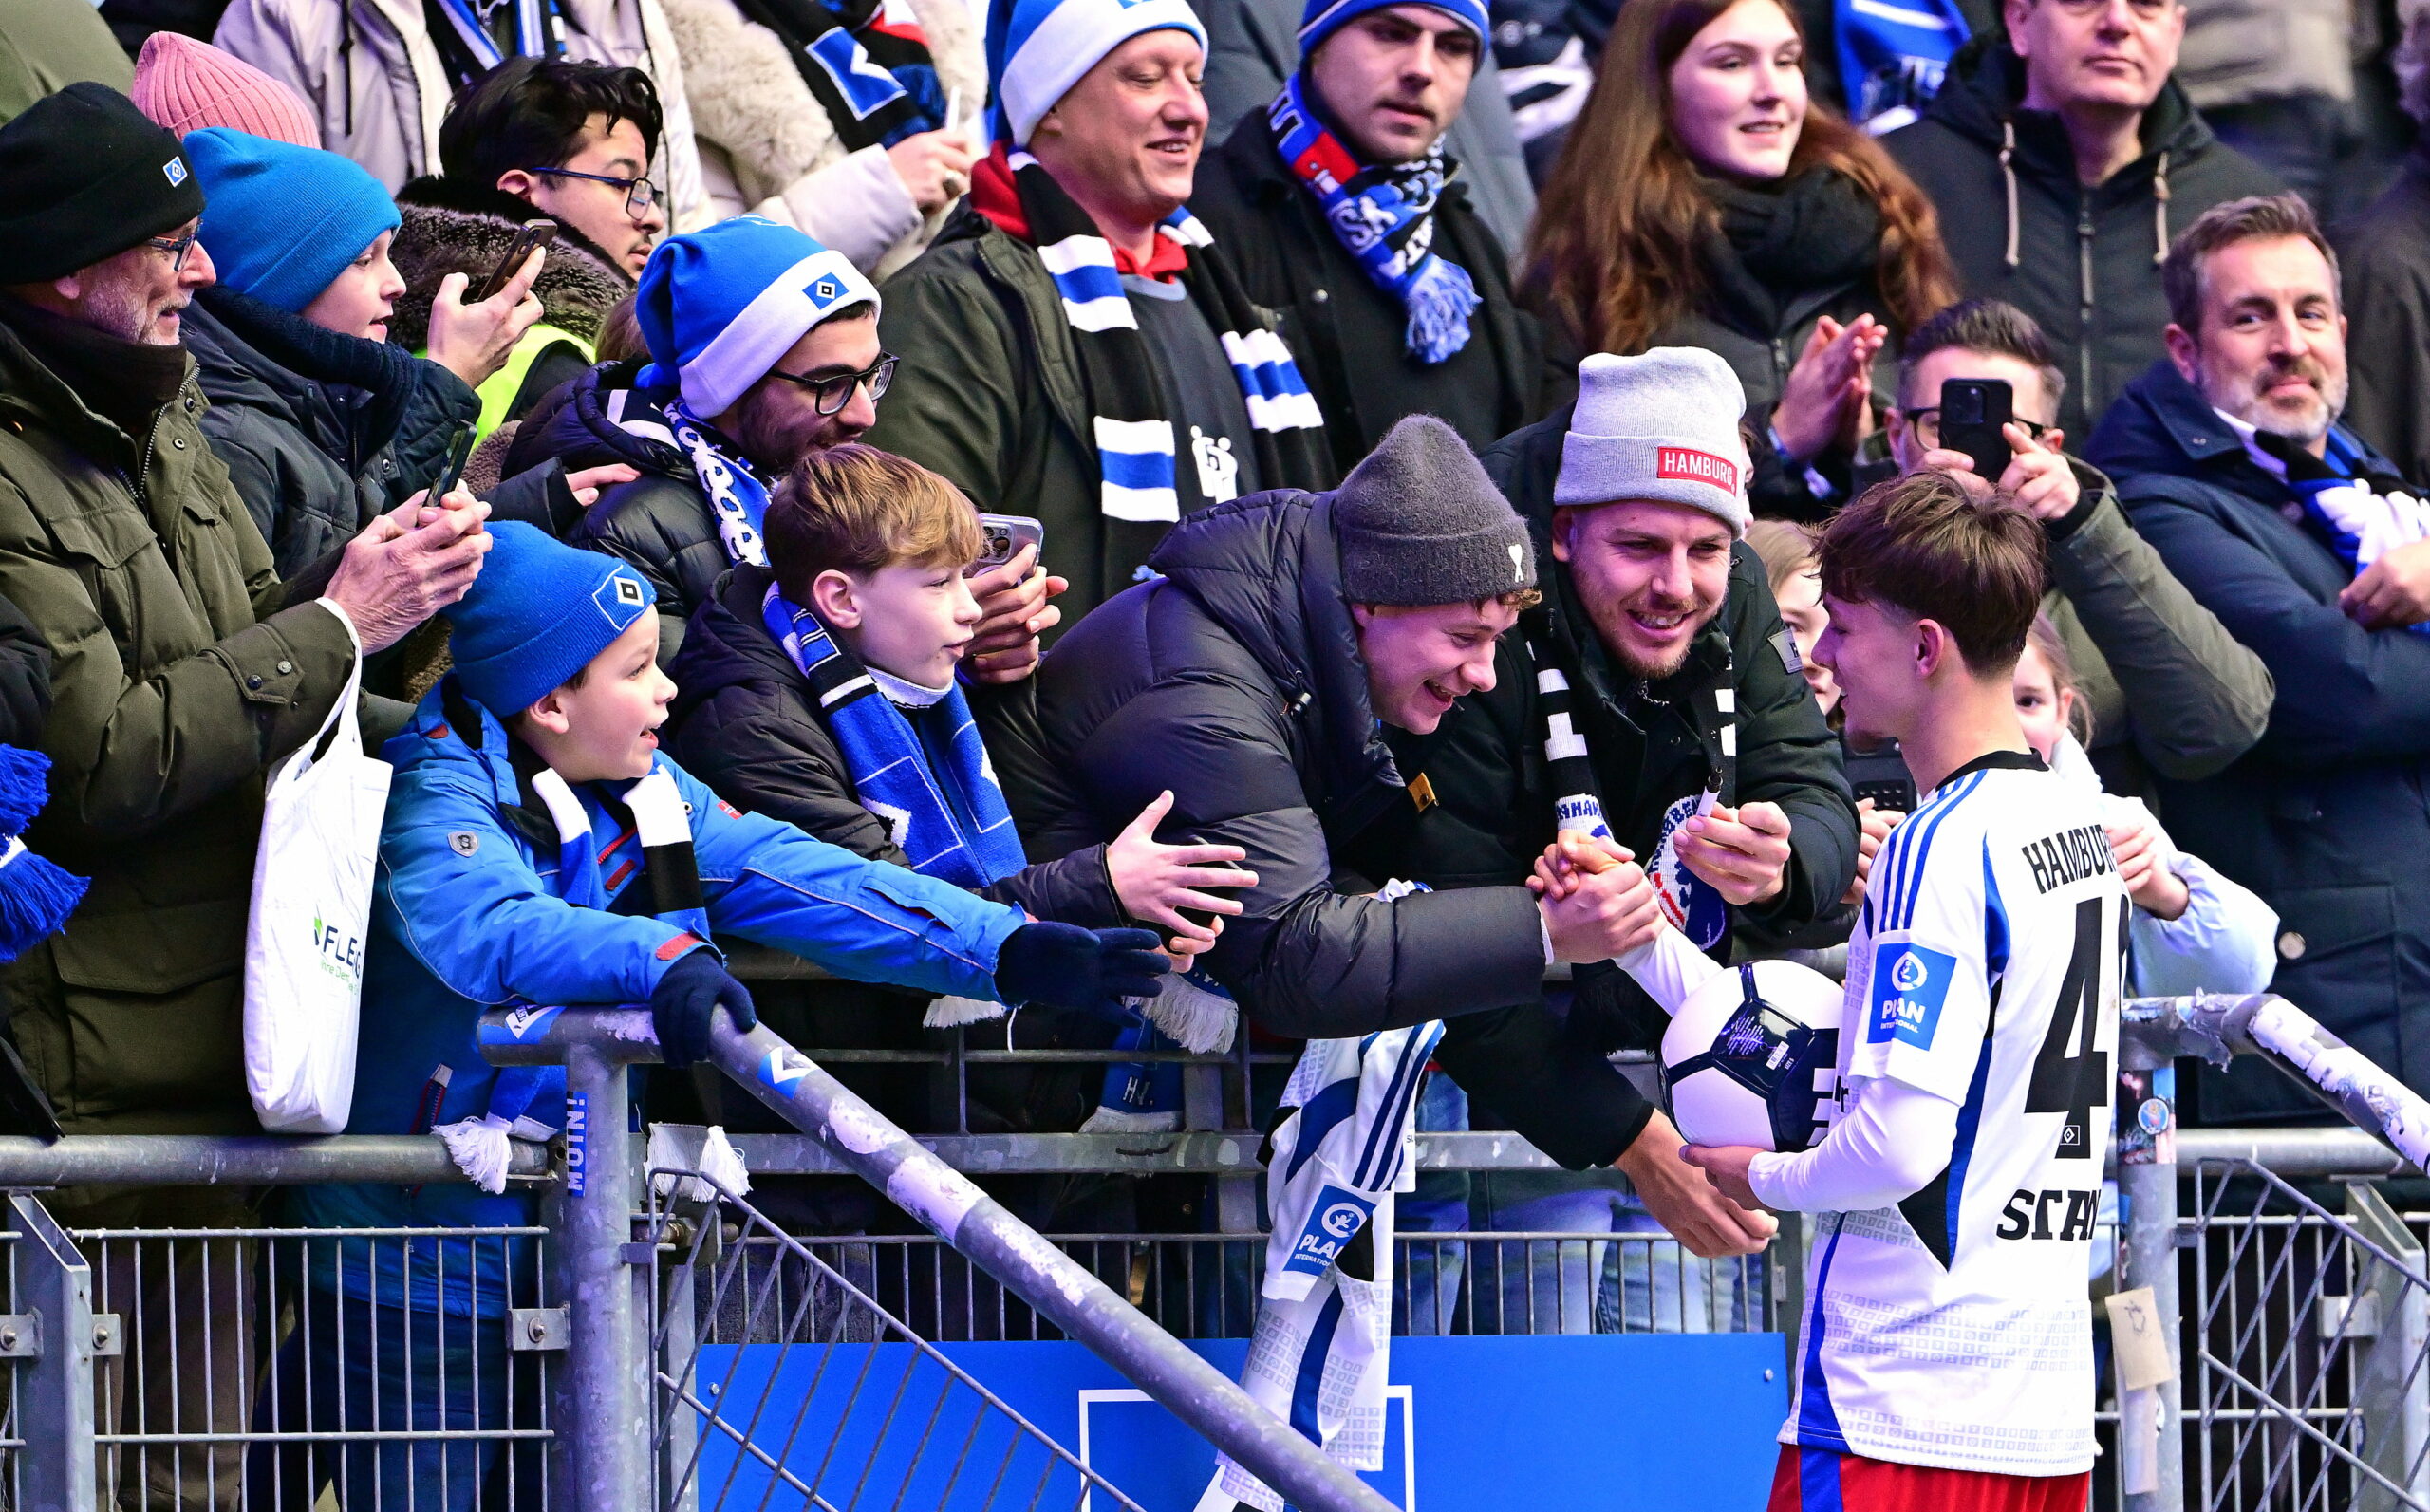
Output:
x=311 y=913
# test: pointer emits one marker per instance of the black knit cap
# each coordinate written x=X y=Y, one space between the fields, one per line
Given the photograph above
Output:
x=83 y=178
x=1420 y=523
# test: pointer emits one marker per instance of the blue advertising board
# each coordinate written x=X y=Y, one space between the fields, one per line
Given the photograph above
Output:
x=1622 y=1423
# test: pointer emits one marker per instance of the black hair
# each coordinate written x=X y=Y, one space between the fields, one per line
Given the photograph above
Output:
x=1993 y=326
x=533 y=113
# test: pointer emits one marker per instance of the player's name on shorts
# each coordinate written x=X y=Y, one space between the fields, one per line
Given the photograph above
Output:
x=2070 y=855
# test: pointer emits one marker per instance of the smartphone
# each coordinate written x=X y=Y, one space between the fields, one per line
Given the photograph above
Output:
x=535 y=235
x=1972 y=412
x=1881 y=774
x=460 y=451
x=1006 y=535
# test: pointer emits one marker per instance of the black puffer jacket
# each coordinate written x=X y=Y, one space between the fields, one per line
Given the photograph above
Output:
x=660 y=522
x=1655 y=746
x=318 y=431
x=1236 y=681
x=24 y=679
x=745 y=722
x=2084 y=262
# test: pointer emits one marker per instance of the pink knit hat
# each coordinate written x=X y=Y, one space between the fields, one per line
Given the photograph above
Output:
x=184 y=85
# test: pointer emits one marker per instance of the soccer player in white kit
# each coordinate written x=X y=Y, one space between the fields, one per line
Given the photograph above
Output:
x=1946 y=1357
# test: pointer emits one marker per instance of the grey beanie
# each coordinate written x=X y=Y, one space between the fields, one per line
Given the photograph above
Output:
x=1664 y=428
x=1420 y=523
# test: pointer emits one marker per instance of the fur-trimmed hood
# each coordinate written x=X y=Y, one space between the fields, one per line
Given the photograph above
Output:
x=451 y=228
x=748 y=99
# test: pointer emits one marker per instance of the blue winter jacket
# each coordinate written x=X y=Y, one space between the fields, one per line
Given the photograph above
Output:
x=469 y=914
x=2328 y=816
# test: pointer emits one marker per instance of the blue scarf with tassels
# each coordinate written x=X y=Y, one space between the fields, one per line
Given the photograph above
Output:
x=1384 y=217
x=949 y=818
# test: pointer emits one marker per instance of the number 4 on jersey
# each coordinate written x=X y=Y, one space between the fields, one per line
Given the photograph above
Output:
x=2070 y=1076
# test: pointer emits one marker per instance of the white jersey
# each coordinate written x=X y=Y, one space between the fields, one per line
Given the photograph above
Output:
x=1953 y=1330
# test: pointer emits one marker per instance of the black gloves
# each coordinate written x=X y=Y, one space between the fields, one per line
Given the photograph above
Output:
x=686 y=997
x=1072 y=967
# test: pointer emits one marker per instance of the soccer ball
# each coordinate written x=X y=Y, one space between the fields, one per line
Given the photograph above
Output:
x=1751 y=1058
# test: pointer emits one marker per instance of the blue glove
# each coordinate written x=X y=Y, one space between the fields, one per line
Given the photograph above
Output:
x=1072 y=967
x=680 y=1009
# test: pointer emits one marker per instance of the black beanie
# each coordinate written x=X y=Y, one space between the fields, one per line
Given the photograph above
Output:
x=1420 y=523
x=83 y=178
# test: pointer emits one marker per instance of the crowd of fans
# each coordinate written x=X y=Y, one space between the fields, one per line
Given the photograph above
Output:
x=1390 y=515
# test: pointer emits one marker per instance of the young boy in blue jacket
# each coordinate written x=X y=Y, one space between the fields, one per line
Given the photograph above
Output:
x=538 y=851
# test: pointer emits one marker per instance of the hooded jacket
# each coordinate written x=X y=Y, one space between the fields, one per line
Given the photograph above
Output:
x=2084 y=262
x=320 y=432
x=2328 y=818
x=1655 y=746
x=179 y=673
x=374 y=79
x=1341 y=323
x=469 y=915
x=1234 y=680
x=453 y=228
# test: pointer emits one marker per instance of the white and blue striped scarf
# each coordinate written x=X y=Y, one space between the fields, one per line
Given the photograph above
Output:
x=1133 y=438
x=472 y=35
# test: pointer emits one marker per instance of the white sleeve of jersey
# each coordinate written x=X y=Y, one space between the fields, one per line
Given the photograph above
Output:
x=1892 y=1140
x=1922 y=1007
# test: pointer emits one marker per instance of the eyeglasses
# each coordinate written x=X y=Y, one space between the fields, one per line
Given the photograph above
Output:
x=832 y=394
x=1926 y=424
x=176 y=247
x=640 y=194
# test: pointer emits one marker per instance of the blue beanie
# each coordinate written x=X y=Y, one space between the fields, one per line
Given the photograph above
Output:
x=536 y=614
x=718 y=307
x=1043 y=47
x=1322 y=18
x=281 y=221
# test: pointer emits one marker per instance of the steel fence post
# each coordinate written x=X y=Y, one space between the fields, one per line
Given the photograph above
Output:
x=60 y=1472
x=605 y=1405
x=2147 y=1186
x=2393 y=1391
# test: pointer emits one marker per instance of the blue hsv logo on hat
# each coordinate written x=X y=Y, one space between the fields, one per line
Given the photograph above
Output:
x=620 y=599
x=824 y=290
x=175 y=169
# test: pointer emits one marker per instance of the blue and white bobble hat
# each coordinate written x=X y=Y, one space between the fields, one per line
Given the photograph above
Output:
x=718 y=307
x=1040 y=49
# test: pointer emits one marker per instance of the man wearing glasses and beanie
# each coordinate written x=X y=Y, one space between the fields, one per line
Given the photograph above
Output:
x=763 y=348
x=180 y=669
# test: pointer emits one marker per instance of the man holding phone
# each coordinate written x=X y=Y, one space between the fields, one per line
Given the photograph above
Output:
x=2172 y=692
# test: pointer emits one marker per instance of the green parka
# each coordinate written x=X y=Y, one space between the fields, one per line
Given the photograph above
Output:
x=178 y=675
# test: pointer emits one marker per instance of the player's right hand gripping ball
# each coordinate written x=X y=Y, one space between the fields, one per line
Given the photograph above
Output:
x=1751 y=1058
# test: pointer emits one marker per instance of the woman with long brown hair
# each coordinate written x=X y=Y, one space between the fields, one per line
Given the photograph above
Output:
x=1702 y=200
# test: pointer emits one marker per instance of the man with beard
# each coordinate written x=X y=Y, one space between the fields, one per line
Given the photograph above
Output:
x=1654 y=697
x=764 y=347
x=2310 y=548
x=1338 y=207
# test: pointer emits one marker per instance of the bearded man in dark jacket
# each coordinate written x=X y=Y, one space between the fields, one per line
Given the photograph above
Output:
x=2062 y=157
x=1264 y=679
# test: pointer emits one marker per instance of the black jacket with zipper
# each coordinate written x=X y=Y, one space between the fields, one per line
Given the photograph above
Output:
x=1235 y=680
x=1347 y=331
x=2083 y=262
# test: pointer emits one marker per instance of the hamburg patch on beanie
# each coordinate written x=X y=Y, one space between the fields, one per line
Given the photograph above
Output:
x=284 y=220
x=1419 y=522
x=186 y=85
x=83 y=176
x=1322 y=18
x=719 y=306
x=537 y=613
x=1660 y=427
x=1043 y=47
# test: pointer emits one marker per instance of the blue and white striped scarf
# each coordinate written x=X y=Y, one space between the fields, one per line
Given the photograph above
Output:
x=532 y=27
x=1133 y=438
x=969 y=844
